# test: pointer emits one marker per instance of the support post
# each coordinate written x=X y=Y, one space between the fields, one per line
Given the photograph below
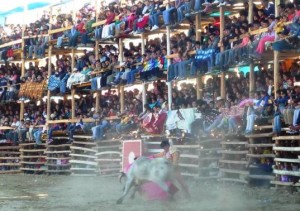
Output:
x=169 y=84
x=22 y=105
x=144 y=98
x=49 y=69
x=120 y=50
x=251 y=77
x=73 y=59
x=73 y=103
x=276 y=56
x=97 y=104
x=122 y=100
x=143 y=43
x=198 y=38
x=222 y=24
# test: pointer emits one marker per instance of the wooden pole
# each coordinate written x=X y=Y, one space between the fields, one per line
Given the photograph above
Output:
x=251 y=66
x=276 y=57
x=250 y=11
x=73 y=103
x=144 y=97
x=98 y=98
x=222 y=24
x=22 y=105
x=143 y=43
x=49 y=70
x=198 y=38
x=251 y=77
x=122 y=99
x=169 y=84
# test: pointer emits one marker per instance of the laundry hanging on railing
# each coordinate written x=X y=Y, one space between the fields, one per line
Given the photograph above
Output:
x=32 y=90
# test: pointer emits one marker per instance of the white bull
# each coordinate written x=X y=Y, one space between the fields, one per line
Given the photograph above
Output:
x=157 y=170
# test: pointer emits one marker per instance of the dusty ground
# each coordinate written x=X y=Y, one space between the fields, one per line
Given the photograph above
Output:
x=34 y=192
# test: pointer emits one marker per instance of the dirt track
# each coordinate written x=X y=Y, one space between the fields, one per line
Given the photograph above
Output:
x=33 y=192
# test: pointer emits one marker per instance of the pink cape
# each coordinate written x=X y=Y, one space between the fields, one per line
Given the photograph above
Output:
x=151 y=191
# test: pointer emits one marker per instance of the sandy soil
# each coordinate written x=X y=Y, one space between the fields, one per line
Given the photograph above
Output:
x=41 y=192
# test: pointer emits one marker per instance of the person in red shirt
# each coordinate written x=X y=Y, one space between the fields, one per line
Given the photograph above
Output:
x=107 y=31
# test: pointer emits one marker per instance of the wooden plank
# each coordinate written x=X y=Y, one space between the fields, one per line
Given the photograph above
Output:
x=285 y=183
x=58 y=146
x=261 y=155
x=107 y=153
x=288 y=160
x=84 y=143
x=189 y=156
x=240 y=162
x=188 y=165
x=54 y=31
x=9 y=152
x=59 y=171
x=32 y=156
x=10 y=164
x=260 y=135
x=108 y=159
x=58 y=165
x=83 y=156
x=30 y=169
x=234 y=171
x=209 y=158
x=259 y=145
x=9 y=158
x=82 y=169
x=209 y=141
x=234 y=143
x=32 y=163
x=32 y=150
x=15 y=42
x=189 y=174
x=84 y=137
x=234 y=152
x=263 y=127
x=233 y=180
x=187 y=146
x=109 y=170
x=9 y=147
x=287 y=138
x=154 y=150
x=30 y=144
x=58 y=152
x=83 y=149
x=284 y=172
x=83 y=162
x=52 y=158
x=287 y=149
x=261 y=177
x=10 y=172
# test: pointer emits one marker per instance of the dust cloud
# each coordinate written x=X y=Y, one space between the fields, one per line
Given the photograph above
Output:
x=41 y=192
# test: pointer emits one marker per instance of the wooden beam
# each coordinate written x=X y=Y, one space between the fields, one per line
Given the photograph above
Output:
x=15 y=42
x=122 y=99
x=276 y=72
x=169 y=84
x=73 y=103
x=222 y=26
x=251 y=77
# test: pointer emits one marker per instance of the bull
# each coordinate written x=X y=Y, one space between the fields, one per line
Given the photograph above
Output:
x=158 y=170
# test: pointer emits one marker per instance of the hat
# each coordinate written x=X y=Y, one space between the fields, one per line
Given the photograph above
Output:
x=219 y=98
x=25 y=114
x=75 y=69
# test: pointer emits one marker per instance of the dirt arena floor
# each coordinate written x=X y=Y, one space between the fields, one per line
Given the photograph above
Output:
x=41 y=192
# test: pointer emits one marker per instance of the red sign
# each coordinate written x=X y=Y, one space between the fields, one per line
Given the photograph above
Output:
x=131 y=150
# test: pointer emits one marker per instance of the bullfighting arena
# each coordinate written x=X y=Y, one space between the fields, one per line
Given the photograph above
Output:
x=40 y=192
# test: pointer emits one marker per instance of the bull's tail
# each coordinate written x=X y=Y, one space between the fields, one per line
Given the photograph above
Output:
x=121 y=176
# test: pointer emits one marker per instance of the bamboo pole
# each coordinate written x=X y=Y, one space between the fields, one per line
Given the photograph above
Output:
x=143 y=43
x=121 y=87
x=49 y=70
x=276 y=57
x=22 y=105
x=251 y=66
x=169 y=84
x=73 y=103
x=251 y=77
x=144 y=97
x=222 y=23
x=198 y=38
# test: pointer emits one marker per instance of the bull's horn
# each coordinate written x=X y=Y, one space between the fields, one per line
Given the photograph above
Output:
x=121 y=176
